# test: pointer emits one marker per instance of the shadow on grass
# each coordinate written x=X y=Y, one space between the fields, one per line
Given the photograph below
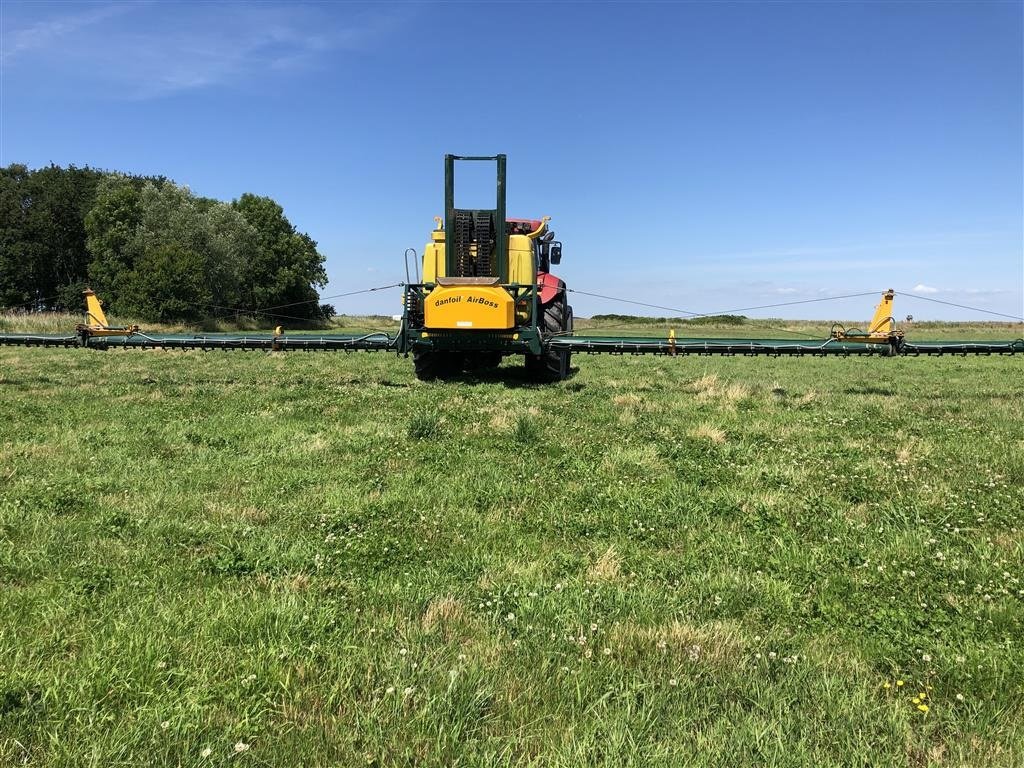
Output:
x=869 y=390
x=509 y=376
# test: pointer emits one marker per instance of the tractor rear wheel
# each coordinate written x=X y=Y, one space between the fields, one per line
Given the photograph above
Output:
x=552 y=364
x=430 y=365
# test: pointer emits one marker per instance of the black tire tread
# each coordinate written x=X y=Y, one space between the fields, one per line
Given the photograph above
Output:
x=431 y=364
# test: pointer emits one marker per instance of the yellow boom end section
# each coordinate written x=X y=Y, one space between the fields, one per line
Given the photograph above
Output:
x=881 y=330
x=882 y=322
x=96 y=320
x=94 y=315
x=458 y=305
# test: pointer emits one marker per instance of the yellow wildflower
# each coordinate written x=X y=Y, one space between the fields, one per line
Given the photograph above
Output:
x=886 y=685
x=923 y=695
x=899 y=683
x=923 y=708
x=916 y=700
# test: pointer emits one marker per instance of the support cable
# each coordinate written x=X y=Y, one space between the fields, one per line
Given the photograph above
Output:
x=725 y=311
x=227 y=311
x=337 y=296
x=961 y=306
x=32 y=303
x=693 y=315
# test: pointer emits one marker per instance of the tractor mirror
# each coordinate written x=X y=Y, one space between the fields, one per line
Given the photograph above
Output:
x=556 y=253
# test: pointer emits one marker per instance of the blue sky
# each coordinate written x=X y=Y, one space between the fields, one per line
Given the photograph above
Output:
x=703 y=156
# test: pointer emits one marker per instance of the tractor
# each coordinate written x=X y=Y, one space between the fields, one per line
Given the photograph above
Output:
x=486 y=291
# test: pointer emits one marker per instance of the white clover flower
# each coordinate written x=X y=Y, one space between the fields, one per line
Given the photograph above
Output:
x=206 y=753
x=240 y=747
x=673 y=682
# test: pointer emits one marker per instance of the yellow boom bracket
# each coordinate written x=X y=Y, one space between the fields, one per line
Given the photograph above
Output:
x=881 y=330
x=96 y=320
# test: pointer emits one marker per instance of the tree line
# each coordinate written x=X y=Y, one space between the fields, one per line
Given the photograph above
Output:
x=150 y=248
x=700 y=320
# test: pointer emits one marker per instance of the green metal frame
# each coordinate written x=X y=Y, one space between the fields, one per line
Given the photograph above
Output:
x=497 y=213
x=503 y=341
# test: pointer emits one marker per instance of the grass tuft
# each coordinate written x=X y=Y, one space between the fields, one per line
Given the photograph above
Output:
x=526 y=429
x=606 y=567
x=423 y=426
x=709 y=432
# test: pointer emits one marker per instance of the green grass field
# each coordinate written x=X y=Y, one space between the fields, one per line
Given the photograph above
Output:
x=314 y=559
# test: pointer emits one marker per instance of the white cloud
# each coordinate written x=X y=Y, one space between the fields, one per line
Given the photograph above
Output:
x=164 y=49
x=46 y=33
x=922 y=288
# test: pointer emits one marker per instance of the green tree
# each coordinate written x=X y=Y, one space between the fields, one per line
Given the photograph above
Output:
x=285 y=268
x=62 y=196
x=130 y=226
x=131 y=238
x=18 y=252
x=213 y=230
x=43 y=258
x=168 y=284
x=111 y=227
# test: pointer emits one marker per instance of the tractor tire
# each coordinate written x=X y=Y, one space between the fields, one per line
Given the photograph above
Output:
x=482 y=361
x=552 y=365
x=431 y=365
